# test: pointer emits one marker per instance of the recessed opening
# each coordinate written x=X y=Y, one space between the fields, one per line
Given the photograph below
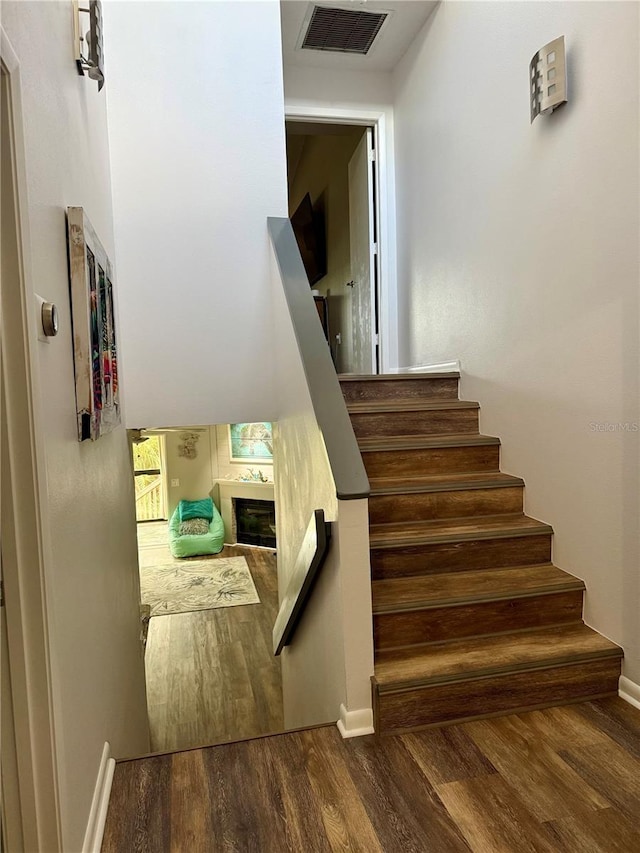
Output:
x=208 y=581
x=255 y=522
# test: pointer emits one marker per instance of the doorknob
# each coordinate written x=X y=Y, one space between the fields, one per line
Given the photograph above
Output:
x=351 y=283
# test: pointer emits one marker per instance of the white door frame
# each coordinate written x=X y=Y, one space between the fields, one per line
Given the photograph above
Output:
x=365 y=273
x=385 y=201
x=25 y=542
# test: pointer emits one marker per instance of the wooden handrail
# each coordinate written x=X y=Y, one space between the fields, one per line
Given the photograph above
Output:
x=329 y=407
x=308 y=563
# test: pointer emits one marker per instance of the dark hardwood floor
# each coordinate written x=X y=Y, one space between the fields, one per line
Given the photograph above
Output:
x=211 y=674
x=560 y=780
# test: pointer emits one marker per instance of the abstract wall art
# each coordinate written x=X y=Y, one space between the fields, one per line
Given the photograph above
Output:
x=94 y=334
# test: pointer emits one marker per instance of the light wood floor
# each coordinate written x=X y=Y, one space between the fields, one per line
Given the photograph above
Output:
x=562 y=780
x=211 y=674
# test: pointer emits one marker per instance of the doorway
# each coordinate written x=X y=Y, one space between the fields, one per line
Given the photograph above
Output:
x=149 y=477
x=333 y=204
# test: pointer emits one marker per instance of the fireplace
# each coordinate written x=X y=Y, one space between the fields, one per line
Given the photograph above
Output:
x=255 y=522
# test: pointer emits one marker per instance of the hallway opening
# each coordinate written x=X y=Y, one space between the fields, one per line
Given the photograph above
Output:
x=333 y=206
x=208 y=582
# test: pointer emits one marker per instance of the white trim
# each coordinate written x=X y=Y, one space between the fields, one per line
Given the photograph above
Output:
x=25 y=573
x=388 y=285
x=442 y=367
x=355 y=723
x=100 y=803
x=163 y=474
x=629 y=691
x=8 y=54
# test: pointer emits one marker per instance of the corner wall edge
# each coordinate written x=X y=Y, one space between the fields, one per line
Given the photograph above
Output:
x=355 y=723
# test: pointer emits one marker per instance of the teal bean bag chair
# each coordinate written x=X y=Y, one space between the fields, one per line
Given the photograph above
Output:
x=196 y=545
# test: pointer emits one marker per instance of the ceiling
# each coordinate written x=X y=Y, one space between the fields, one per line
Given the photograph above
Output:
x=399 y=30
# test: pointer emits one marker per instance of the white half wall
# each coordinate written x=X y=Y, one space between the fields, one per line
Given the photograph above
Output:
x=518 y=255
x=327 y=669
x=328 y=665
x=90 y=557
x=196 y=119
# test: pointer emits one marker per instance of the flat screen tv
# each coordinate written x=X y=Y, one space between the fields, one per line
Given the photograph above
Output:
x=308 y=226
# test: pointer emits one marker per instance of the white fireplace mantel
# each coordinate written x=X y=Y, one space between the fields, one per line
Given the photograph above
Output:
x=230 y=489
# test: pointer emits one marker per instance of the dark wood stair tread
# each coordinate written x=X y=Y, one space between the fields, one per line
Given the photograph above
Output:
x=419 y=442
x=391 y=377
x=399 y=595
x=458 y=660
x=442 y=483
x=455 y=530
x=413 y=405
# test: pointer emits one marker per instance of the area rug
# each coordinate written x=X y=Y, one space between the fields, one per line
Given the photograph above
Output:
x=179 y=587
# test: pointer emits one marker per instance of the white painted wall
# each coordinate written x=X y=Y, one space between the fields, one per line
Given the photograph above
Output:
x=92 y=579
x=198 y=161
x=331 y=88
x=195 y=476
x=518 y=254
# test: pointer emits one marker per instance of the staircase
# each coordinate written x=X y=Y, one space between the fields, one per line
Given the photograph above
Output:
x=471 y=618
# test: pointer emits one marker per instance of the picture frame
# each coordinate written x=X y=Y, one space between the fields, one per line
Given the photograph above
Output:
x=94 y=329
x=251 y=442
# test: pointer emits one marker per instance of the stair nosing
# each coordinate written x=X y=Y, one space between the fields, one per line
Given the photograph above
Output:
x=416 y=486
x=574 y=585
x=480 y=674
x=543 y=529
x=373 y=407
x=395 y=377
x=612 y=651
x=422 y=442
x=507 y=632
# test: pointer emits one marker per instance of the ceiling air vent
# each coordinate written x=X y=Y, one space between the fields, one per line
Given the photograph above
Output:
x=342 y=30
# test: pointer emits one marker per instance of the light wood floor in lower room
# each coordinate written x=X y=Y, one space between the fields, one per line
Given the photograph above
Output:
x=562 y=780
x=211 y=674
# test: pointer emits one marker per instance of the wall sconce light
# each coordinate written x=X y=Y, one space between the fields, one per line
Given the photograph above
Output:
x=89 y=52
x=548 y=79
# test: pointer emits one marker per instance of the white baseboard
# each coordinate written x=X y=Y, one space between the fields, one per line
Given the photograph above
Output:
x=355 y=723
x=443 y=367
x=100 y=803
x=629 y=691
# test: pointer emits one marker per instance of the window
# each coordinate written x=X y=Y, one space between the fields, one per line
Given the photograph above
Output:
x=148 y=471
